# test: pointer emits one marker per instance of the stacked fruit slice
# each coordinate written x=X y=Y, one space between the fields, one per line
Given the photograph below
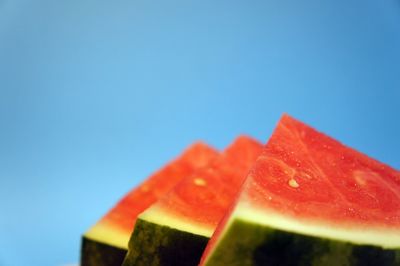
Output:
x=106 y=243
x=310 y=200
x=307 y=200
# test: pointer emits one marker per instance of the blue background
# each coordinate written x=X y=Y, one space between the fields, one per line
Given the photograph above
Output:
x=95 y=95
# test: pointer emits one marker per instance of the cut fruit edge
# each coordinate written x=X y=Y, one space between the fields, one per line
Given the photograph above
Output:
x=108 y=234
x=157 y=215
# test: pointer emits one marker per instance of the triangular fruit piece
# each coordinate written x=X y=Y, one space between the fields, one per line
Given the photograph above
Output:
x=310 y=200
x=175 y=230
x=106 y=243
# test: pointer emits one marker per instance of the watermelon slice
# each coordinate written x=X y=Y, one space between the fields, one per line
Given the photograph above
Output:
x=106 y=243
x=175 y=230
x=310 y=200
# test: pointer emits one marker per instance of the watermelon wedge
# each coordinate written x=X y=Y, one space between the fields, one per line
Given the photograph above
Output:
x=106 y=243
x=175 y=230
x=310 y=200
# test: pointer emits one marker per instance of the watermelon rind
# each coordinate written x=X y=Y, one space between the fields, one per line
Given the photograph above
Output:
x=260 y=237
x=247 y=243
x=103 y=245
x=155 y=244
x=100 y=254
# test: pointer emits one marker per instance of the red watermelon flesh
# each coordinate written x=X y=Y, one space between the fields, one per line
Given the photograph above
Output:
x=191 y=211
x=124 y=214
x=308 y=175
x=111 y=234
x=313 y=187
x=203 y=198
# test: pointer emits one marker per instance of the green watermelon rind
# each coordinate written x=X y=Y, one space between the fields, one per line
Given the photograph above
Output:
x=100 y=254
x=248 y=243
x=156 y=244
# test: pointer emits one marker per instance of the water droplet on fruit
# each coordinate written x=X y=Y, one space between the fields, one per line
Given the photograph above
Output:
x=199 y=182
x=293 y=183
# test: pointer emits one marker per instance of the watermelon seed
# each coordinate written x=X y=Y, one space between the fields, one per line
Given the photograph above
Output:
x=293 y=183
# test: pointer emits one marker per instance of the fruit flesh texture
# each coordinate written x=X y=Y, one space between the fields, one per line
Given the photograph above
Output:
x=204 y=197
x=194 y=207
x=115 y=227
x=308 y=177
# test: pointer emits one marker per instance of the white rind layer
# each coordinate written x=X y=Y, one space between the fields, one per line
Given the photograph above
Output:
x=107 y=234
x=157 y=215
x=376 y=236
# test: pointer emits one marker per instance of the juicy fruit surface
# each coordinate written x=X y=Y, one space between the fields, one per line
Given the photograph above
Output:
x=305 y=174
x=124 y=214
x=309 y=188
x=204 y=197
